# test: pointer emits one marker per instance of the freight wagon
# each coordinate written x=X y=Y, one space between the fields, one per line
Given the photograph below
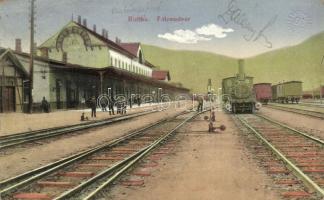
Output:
x=287 y=92
x=263 y=92
x=317 y=93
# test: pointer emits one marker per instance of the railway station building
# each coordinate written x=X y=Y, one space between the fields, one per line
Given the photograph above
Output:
x=75 y=64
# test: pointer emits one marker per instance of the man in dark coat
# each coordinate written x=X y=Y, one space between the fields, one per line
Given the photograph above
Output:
x=45 y=105
x=104 y=104
x=111 y=105
x=93 y=106
x=200 y=104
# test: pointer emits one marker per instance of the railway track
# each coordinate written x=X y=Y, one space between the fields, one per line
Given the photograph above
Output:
x=316 y=105
x=315 y=114
x=84 y=175
x=294 y=159
x=26 y=137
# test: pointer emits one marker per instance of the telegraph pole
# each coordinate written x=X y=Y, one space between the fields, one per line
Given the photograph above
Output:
x=32 y=52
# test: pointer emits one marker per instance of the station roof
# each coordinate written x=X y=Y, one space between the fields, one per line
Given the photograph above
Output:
x=131 y=47
x=110 y=43
x=133 y=76
x=13 y=58
x=128 y=49
x=60 y=65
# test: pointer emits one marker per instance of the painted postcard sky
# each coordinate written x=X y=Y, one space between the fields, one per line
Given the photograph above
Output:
x=237 y=28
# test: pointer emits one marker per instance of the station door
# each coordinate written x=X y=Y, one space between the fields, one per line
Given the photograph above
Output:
x=8 y=98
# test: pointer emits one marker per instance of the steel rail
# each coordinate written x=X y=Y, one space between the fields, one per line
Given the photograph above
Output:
x=298 y=172
x=21 y=139
x=26 y=178
x=316 y=105
x=135 y=159
x=315 y=139
x=310 y=113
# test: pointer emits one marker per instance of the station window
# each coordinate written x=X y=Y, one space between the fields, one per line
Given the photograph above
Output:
x=119 y=63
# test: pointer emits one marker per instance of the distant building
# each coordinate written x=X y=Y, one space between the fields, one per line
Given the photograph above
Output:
x=161 y=75
x=77 y=44
x=75 y=64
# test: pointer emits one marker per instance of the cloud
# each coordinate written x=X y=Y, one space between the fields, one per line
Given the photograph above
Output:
x=213 y=30
x=183 y=36
x=199 y=34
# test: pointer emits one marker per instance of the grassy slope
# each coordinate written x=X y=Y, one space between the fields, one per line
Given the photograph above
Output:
x=193 y=68
x=300 y=62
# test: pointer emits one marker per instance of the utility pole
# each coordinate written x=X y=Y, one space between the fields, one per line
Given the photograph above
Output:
x=32 y=52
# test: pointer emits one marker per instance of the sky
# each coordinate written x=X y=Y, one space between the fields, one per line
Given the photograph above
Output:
x=236 y=28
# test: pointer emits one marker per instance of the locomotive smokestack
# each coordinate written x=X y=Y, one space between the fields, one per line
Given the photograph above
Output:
x=241 y=69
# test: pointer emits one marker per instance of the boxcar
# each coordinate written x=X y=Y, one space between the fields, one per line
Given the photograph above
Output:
x=289 y=92
x=263 y=92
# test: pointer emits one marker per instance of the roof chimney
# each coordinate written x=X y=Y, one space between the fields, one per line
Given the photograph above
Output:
x=18 y=45
x=117 y=40
x=79 y=19
x=94 y=28
x=85 y=22
x=106 y=34
x=241 y=73
x=103 y=33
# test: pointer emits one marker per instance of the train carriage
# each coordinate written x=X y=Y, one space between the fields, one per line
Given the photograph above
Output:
x=263 y=92
x=290 y=91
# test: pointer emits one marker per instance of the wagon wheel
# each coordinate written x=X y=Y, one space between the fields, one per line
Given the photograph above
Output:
x=297 y=100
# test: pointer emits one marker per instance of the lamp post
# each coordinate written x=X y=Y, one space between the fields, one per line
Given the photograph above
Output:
x=153 y=94
x=131 y=101
x=31 y=59
x=109 y=92
x=193 y=101
x=160 y=95
x=212 y=96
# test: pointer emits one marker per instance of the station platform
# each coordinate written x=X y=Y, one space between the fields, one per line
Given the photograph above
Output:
x=11 y=123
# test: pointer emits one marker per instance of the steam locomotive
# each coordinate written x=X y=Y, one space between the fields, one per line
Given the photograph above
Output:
x=238 y=94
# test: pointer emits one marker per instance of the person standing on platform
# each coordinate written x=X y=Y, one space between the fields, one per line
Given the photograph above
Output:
x=93 y=106
x=200 y=104
x=111 y=105
x=139 y=101
x=104 y=104
x=130 y=100
x=45 y=105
